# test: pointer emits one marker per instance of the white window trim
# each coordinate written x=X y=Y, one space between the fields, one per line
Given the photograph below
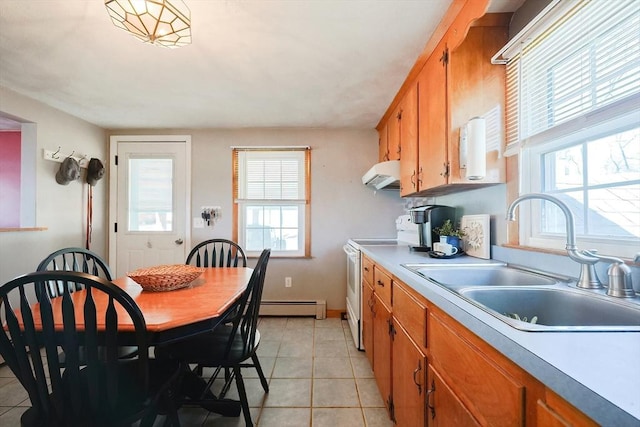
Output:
x=303 y=204
x=531 y=181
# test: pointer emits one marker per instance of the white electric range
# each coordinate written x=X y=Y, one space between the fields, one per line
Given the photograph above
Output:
x=354 y=284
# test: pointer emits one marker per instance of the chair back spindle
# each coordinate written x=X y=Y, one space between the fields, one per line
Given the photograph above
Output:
x=217 y=253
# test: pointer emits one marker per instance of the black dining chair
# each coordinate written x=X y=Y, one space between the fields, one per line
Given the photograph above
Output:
x=99 y=390
x=80 y=260
x=217 y=253
x=220 y=253
x=74 y=259
x=229 y=346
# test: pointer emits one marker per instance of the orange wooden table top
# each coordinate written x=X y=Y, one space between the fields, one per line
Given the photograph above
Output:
x=174 y=314
x=209 y=296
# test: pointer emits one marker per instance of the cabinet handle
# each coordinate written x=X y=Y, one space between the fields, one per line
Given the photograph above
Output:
x=413 y=183
x=380 y=283
x=420 y=176
x=366 y=269
x=432 y=408
x=415 y=373
x=445 y=173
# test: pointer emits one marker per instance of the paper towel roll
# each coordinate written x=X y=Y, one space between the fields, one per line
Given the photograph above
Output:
x=476 y=149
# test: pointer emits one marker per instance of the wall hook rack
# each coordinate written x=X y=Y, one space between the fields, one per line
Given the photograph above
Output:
x=58 y=156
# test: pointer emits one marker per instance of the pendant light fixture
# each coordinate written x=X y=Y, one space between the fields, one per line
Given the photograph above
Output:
x=164 y=23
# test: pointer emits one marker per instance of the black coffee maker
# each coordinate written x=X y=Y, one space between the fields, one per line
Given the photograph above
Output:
x=428 y=218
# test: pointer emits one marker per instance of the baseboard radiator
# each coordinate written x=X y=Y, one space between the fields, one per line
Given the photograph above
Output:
x=317 y=308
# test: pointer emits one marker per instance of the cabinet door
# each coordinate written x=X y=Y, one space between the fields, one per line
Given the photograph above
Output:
x=383 y=145
x=433 y=128
x=492 y=395
x=409 y=380
x=367 y=321
x=382 y=349
x=393 y=135
x=445 y=409
x=557 y=412
x=409 y=142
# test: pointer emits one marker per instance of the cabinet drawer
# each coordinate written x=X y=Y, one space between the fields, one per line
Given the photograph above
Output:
x=382 y=285
x=411 y=313
x=367 y=270
x=491 y=395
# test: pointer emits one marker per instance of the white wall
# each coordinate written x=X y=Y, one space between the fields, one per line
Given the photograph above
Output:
x=341 y=206
x=62 y=209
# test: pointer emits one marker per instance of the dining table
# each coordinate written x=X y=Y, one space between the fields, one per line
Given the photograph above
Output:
x=175 y=315
x=194 y=309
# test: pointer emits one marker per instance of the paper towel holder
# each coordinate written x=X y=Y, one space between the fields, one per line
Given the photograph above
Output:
x=473 y=149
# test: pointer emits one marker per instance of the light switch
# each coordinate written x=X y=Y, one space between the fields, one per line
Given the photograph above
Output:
x=198 y=222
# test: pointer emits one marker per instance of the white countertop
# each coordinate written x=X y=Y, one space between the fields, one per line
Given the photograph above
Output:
x=597 y=372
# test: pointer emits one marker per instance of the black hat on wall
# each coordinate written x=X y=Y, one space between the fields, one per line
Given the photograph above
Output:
x=69 y=171
x=95 y=171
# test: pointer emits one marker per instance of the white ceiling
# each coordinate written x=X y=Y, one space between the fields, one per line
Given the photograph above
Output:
x=253 y=63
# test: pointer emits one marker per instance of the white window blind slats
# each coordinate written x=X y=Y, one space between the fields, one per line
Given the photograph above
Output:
x=271 y=179
x=586 y=60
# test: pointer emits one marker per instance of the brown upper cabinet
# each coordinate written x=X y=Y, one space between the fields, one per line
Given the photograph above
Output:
x=450 y=84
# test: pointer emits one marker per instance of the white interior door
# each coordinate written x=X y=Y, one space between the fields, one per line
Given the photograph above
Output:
x=149 y=209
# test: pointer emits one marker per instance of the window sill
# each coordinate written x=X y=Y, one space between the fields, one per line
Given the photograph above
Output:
x=627 y=261
x=10 y=230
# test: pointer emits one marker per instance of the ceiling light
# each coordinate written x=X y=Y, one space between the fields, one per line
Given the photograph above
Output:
x=161 y=22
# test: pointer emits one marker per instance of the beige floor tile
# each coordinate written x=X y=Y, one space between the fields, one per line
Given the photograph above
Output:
x=332 y=367
x=377 y=417
x=292 y=392
x=368 y=393
x=295 y=349
x=268 y=348
x=285 y=417
x=330 y=349
x=12 y=416
x=300 y=322
x=329 y=334
x=329 y=323
x=13 y=394
x=293 y=367
x=335 y=393
x=337 y=417
x=361 y=367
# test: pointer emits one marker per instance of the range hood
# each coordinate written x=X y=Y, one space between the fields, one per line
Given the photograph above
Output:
x=383 y=176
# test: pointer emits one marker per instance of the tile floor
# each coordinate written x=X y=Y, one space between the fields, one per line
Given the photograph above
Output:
x=316 y=378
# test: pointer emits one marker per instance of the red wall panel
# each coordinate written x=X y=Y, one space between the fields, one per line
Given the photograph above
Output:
x=10 y=168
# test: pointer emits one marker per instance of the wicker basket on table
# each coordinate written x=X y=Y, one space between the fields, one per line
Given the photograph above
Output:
x=165 y=277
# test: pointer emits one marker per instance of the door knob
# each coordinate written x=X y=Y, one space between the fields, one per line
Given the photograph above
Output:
x=179 y=241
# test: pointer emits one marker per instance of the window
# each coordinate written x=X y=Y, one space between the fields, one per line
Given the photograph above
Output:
x=573 y=114
x=271 y=191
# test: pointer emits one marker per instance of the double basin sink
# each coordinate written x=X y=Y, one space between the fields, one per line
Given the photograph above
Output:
x=531 y=300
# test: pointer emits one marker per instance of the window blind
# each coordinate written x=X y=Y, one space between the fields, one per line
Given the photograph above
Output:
x=271 y=174
x=585 y=60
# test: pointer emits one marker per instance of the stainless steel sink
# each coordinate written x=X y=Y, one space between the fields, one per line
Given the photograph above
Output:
x=556 y=309
x=532 y=300
x=455 y=277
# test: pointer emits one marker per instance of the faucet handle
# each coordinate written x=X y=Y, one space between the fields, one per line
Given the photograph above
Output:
x=620 y=282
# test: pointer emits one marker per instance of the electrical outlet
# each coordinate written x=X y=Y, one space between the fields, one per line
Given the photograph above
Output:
x=287 y=282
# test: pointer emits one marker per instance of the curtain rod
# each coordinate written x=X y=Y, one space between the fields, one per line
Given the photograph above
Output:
x=270 y=147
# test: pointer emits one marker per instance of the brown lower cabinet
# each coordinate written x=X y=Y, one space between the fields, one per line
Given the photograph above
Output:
x=432 y=371
x=444 y=407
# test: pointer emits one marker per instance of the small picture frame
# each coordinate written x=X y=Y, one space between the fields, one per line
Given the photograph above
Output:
x=477 y=235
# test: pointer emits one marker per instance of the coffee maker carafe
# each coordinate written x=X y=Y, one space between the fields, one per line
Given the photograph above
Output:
x=428 y=218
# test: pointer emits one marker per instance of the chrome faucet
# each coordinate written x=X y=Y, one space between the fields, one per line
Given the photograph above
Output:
x=619 y=274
